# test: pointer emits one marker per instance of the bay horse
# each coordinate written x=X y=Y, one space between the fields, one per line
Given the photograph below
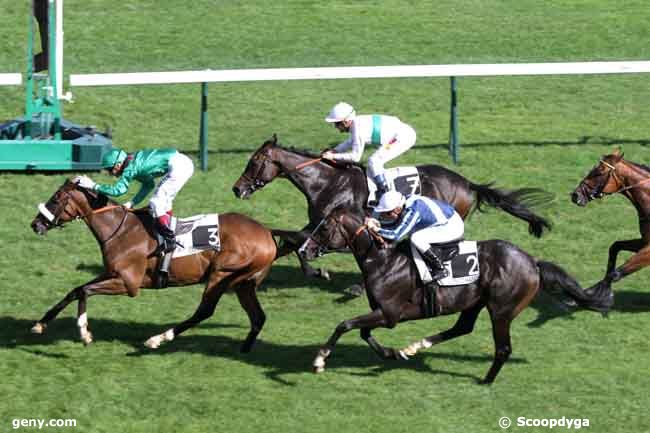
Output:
x=327 y=185
x=129 y=247
x=509 y=280
x=611 y=175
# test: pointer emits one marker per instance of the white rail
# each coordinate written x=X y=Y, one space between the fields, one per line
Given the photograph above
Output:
x=11 y=79
x=327 y=73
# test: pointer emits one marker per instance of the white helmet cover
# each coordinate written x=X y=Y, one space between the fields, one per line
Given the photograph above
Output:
x=341 y=111
x=390 y=200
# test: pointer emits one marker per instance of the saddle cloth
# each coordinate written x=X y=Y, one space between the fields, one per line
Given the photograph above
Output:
x=195 y=234
x=463 y=267
x=404 y=179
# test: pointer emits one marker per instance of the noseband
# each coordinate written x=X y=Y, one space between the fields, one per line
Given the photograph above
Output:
x=54 y=220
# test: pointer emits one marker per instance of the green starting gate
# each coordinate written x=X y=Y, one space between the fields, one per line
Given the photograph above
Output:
x=42 y=139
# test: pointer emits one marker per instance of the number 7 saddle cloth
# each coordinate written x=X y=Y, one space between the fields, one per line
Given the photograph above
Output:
x=405 y=180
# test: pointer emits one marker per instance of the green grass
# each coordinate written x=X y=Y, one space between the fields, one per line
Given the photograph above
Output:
x=524 y=131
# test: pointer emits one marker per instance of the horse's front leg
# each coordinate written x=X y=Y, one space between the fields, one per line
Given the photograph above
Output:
x=368 y=322
x=108 y=286
x=613 y=274
x=100 y=285
x=292 y=241
x=633 y=245
x=409 y=312
x=74 y=294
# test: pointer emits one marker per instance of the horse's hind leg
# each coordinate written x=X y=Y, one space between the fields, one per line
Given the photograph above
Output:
x=211 y=296
x=502 y=347
x=249 y=302
x=463 y=326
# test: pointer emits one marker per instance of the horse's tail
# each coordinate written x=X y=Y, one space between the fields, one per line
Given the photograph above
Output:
x=517 y=203
x=555 y=280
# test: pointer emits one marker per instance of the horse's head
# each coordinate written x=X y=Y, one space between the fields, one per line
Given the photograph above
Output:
x=602 y=179
x=260 y=170
x=339 y=230
x=68 y=203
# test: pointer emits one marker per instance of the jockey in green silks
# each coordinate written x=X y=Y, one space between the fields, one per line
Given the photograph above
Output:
x=145 y=166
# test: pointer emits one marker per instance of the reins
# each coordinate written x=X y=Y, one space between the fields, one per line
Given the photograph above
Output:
x=612 y=170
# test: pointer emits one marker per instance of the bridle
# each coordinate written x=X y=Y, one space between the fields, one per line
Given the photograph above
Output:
x=349 y=240
x=612 y=173
x=263 y=159
x=54 y=220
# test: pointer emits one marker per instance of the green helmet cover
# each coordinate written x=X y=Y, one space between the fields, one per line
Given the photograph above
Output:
x=112 y=157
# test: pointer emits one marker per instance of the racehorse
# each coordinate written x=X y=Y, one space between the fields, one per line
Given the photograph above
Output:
x=612 y=175
x=509 y=279
x=129 y=248
x=327 y=185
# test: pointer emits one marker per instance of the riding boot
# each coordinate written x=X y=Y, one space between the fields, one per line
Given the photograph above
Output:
x=169 y=238
x=438 y=271
x=382 y=185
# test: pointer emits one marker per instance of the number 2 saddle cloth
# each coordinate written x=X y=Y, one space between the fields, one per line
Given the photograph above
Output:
x=460 y=258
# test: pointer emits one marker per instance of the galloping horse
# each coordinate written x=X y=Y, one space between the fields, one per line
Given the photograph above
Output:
x=508 y=282
x=327 y=185
x=614 y=175
x=130 y=263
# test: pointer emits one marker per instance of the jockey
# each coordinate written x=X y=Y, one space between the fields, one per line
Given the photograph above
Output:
x=387 y=132
x=144 y=166
x=426 y=220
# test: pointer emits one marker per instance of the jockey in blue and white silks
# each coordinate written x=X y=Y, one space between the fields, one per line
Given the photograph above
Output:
x=426 y=220
x=392 y=136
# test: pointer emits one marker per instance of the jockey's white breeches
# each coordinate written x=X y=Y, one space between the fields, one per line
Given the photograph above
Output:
x=403 y=141
x=453 y=229
x=180 y=170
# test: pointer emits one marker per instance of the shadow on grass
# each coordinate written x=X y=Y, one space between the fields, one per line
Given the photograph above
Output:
x=278 y=360
x=624 y=302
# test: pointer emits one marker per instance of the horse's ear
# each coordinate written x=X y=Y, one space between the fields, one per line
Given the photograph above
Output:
x=274 y=139
x=618 y=153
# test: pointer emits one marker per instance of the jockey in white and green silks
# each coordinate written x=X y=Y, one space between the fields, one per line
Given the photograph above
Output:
x=392 y=136
x=145 y=166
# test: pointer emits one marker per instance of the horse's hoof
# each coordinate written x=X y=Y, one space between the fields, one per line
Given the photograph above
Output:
x=354 y=290
x=38 y=328
x=402 y=355
x=483 y=382
x=319 y=369
x=87 y=338
x=324 y=274
x=152 y=343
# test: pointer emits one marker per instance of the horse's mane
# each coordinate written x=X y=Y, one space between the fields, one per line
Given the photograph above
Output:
x=642 y=166
x=314 y=155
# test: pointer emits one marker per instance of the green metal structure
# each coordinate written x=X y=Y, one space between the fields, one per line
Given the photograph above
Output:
x=42 y=140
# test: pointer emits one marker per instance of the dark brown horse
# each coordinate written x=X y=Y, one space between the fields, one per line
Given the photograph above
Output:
x=509 y=280
x=613 y=175
x=130 y=263
x=327 y=185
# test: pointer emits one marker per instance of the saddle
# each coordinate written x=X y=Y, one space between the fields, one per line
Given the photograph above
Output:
x=192 y=236
x=460 y=257
x=404 y=179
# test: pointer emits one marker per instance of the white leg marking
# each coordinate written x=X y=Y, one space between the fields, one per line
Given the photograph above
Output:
x=82 y=323
x=155 y=341
x=38 y=328
x=319 y=362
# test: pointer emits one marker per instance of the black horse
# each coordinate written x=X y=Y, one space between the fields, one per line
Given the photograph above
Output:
x=327 y=185
x=509 y=279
